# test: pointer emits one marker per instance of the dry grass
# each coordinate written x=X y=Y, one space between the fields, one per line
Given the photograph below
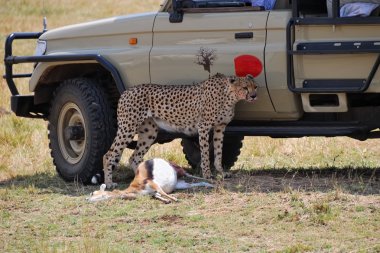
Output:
x=308 y=152
x=286 y=195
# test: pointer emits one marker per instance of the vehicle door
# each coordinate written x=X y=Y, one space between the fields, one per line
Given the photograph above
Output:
x=178 y=52
x=332 y=53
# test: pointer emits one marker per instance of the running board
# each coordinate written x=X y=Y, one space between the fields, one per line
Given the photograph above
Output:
x=285 y=130
x=354 y=130
x=298 y=131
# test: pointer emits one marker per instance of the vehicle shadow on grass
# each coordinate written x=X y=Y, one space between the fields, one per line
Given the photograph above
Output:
x=51 y=182
x=358 y=181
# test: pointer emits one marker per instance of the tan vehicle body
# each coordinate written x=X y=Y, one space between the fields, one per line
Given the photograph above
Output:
x=165 y=53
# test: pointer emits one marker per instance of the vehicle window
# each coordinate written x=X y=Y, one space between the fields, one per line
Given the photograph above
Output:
x=215 y=3
x=344 y=8
x=218 y=5
x=315 y=8
x=257 y=4
x=226 y=5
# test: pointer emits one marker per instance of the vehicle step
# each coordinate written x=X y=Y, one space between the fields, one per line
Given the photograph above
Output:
x=334 y=85
x=337 y=47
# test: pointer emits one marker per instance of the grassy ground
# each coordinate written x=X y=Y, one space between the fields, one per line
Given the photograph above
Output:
x=294 y=195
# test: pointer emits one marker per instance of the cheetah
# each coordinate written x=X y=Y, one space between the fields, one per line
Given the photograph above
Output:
x=189 y=109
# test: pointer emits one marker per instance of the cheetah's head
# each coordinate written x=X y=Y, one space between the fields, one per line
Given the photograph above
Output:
x=244 y=88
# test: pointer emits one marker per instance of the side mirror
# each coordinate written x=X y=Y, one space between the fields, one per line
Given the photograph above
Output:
x=177 y=15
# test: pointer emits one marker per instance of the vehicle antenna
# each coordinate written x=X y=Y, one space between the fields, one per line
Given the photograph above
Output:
x=44 y=19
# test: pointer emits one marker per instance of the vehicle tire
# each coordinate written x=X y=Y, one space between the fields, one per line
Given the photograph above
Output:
x=231 y=152
x=82 y=126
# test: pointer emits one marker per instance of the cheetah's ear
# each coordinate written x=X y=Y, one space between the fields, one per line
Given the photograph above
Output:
x=232 y=79
x=250 y=77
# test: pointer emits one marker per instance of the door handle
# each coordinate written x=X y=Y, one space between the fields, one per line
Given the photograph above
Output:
x=247 y=35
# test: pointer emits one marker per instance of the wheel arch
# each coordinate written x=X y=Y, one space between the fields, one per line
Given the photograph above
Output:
x=47 y=77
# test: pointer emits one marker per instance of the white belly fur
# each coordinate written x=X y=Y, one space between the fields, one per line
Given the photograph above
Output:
x=164 y=175
x=163 y=124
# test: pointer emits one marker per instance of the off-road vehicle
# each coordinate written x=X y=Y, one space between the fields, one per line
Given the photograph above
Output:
x=317 y=73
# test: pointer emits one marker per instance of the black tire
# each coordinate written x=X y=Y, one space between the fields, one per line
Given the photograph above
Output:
x=231 y=152
x=82 y=103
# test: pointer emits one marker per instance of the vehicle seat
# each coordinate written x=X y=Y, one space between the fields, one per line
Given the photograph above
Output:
x=376 y=12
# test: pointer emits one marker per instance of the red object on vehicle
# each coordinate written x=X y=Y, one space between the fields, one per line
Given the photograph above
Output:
x=248 y=64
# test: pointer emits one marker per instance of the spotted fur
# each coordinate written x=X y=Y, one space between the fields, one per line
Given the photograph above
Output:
x=190 y=109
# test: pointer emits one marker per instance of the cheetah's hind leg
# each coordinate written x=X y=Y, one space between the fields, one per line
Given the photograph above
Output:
x=205 y=155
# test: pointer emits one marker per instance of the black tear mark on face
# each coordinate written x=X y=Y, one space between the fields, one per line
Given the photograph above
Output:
x=206 y=58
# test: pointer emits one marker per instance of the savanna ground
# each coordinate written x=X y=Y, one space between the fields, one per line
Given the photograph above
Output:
x=294 y=195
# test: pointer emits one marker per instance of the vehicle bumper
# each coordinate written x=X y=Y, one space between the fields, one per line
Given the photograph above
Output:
x=23 y=106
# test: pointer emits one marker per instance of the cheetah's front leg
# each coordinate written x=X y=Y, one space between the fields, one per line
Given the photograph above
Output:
x=147 y=135
x=112 y=157
x=218 y=148
x=110 y=161
x=205 y=153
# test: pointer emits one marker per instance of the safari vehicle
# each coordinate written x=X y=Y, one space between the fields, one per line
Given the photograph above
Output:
x=317 y=73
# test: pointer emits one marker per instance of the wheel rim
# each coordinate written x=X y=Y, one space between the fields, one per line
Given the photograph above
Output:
x=69 y=116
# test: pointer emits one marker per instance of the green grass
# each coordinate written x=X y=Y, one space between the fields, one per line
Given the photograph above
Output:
x=58 y=216
x=286 y=195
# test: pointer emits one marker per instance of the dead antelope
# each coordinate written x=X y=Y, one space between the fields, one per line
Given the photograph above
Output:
x=155 y=177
